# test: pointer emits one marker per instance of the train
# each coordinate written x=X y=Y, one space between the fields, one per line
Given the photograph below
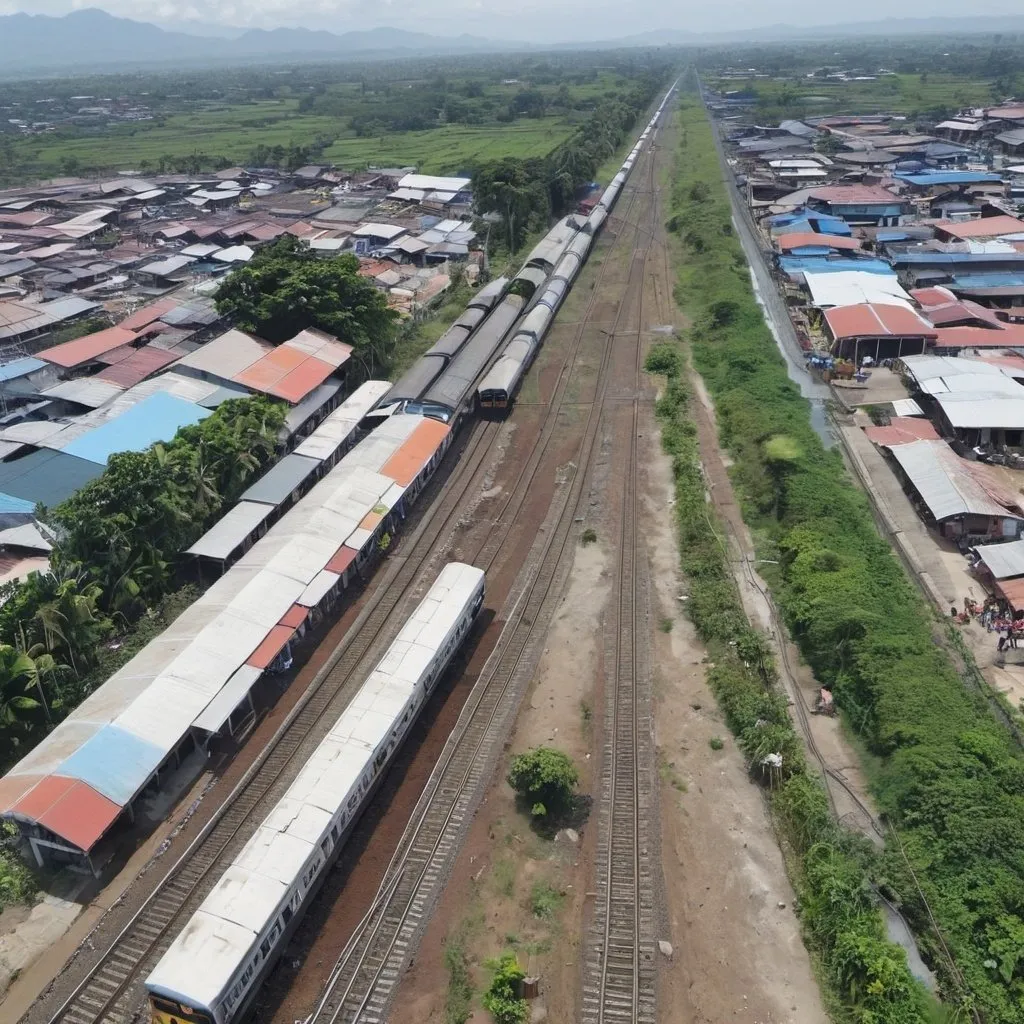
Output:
x=499 y=384
x=213 y=969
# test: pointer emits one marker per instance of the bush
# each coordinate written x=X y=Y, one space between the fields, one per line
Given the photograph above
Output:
x=545 y=779
x=502 y=1000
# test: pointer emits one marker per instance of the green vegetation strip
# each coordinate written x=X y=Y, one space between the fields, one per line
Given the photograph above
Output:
x=945 y=774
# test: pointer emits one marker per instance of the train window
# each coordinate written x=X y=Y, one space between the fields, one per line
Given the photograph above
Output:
x=335 y=832
x=287 y=915
x=265 y=947
x=325 y=846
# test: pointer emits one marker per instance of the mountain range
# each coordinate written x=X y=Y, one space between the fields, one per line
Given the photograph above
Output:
x=93 y=39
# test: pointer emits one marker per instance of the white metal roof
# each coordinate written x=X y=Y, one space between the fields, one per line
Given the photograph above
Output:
x=977 y=410
x=944 y=481
x=338 y=427
x=923 y=367
x=205 y=957
x=227 y=355
x=432 y=183
x=231 y=529
x=971 y=384
x=89 y=391
x=219 y=710
x=1004 y=561
x=318 y=589
x=906 y=407
x=849 y=287
x=372 y=230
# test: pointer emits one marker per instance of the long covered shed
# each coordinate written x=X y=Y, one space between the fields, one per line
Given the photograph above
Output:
x=195 y=680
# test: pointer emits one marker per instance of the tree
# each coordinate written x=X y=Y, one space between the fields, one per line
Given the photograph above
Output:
x=19 y=675
x=502 y=1000
x=286 y=288
x=545 y=778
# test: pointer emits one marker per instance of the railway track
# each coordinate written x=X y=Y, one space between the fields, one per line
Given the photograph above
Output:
x=367 y=972
x=619 y=978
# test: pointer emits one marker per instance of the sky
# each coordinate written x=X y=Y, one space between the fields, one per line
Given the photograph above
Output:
x=531 y=20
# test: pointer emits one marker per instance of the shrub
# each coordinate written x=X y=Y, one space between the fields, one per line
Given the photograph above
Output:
x=545 y=779
x=502 y=1000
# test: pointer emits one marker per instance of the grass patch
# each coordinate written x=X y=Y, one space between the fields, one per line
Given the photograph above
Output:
x=458 y=1003
x=716 y=743
x=545 y=900
x=665 y=625
x=503 y=876
x=588 y=536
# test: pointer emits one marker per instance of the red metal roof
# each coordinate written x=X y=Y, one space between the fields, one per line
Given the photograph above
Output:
x=271 y=646
x=876 y=319
x=295 y=616
x=136 y=365
x=14 y=787
x=69 y=808
x=342 y=559
x=416 y=451
x=986 y=227
x=88 y=348
x=1011 y=336
x=936 y=296
x=145 y=316
x=799 y=239
x=1012 y=591
x=902 y=430
x=861 y=195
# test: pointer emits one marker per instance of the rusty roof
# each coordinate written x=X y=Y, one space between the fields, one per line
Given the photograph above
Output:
x=902 y=430
x=415 y=452
x=986 y=227
x=69 y=808
x=860 y=195
x=1010 y=336
x=148 y=314
x=86 y=349
x=130 y=365
x=799 y=239
x=876 y=319
x=271 y=647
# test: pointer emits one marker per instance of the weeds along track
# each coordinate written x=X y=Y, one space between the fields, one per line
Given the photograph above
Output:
x=371 y=964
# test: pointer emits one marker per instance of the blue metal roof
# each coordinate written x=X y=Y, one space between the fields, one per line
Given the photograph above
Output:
x=811 y=250
x=817 y=265
x=8 y=503
x=114 y=762
x=20 y=368
x=891 y=236
x=45 y=476
x=948 y=259
x=932 y=177
x=1009 y=280
x=156 y=418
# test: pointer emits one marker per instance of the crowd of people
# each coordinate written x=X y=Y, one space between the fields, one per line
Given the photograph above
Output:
x=996 y=616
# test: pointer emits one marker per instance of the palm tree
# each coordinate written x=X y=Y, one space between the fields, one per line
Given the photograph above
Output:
x=18 y=675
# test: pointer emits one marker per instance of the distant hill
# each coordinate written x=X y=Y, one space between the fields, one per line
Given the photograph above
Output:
x=93 y=39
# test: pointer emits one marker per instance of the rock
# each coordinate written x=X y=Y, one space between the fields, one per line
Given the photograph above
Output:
x=572 y=835
x=665 y=948
x=782 y=906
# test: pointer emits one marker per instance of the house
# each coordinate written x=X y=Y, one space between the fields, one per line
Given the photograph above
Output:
x=880 y=330
x=1011 y=142
x=860 y=204
x=954 y=495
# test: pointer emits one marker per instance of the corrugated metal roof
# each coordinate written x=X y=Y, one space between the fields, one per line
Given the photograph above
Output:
x=20 y=368
x=848 y=288
x=271 y=647
x=321 y=586
x=906 y=407
x=219 y=710
x=986 y=227
x=231 y=530
x=88 y=348
x=281 y=480
x=1004 y=561
x=876 y=320
x=902 y=430
x=340 y=425
x=136 y=366
x=88 y=391
x=977 y=410
x=227 y=355
x=155 y=418
x=113 y=762
x=944 y=481
x=407 y=463
x=799 y=239
x=46 y=476
x=311 y=405
x=148 y=314
x=433 y=183
x=70 y=809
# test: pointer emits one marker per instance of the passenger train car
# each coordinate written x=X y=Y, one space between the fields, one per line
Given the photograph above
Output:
x=214 y=967
x=501 y=381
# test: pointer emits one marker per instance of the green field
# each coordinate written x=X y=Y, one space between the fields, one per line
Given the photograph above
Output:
x=897 y=94
x=451 y=148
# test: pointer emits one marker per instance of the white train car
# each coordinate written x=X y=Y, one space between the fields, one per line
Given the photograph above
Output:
x=215 y=966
